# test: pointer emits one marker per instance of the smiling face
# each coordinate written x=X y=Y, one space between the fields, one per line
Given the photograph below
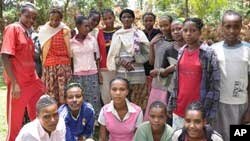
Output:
x=165 y=26
x=74 y=98
x=157 y=118
x=28 y=17
x=119 y=91
x=94 y=20
x=231 y=27
x=194 y=123
x=176 y=31
x=191 y=34
x=55 y=19
x=49 y=117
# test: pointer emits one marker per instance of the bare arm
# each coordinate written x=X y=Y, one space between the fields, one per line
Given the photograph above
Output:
x=103 y=133
x=15 y=89
x=167 y=71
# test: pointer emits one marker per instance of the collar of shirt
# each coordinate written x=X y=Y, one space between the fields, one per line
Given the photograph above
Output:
x=74 y=40
x=112 y=109
x=42 y=133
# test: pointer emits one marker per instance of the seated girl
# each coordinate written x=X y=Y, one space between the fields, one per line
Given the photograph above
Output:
x=195 y=128
x=119 y=118
x=156 y=128
x=78 y=115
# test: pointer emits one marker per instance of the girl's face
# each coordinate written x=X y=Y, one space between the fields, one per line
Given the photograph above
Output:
x=108 y=20
x=165 y=26
x=194 y=123
x=176 y=31
x=191 y=34
x=127 y=20
x=84 y=28
x=157 y=118
x=55 y=19
x=28 y=17
x=74 y=98
x=148 y=22
x=94 y=20
x=119 y=91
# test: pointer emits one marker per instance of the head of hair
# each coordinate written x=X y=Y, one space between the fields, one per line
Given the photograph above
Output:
x=120 y=78
x=79 y=20
x=25 y=5
x=197 y=21
x=231 y=12
x=94 y=12
x=131 y=12
x=149 y=14
x=108 y=11
x=72 y=84
x=43 y=102
x=158 y=104
x=56 y=10
x=166 y=17
x=197 y=106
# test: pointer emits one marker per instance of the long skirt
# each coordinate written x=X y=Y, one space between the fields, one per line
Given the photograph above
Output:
x=155 y=95
x=92 y=92
x=139 y=95
x=55 y=79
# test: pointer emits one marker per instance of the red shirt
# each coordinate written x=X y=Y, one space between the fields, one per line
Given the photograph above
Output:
x=190 y=73
x=102 y=48
x=58 y=53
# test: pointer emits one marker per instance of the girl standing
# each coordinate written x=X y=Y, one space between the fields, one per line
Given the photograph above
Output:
x=54 y=37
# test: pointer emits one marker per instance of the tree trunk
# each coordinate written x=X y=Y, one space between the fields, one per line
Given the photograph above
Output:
x=186 y=8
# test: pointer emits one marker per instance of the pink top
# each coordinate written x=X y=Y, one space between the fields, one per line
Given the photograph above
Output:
x=83 y=55
x=190 y=73
x=121 y=130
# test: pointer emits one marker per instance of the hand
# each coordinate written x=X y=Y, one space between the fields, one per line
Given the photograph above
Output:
x=154 y=72
x=100 y=78
x=156 y=39
x=246 y=117
x=127 y=65
x=15 y=90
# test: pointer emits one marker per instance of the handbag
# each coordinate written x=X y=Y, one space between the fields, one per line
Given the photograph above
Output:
x=141 y=55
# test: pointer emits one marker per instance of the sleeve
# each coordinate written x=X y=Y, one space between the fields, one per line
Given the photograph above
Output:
x=101 y=118
x=88 y=132
x=139 y=119
x=9 y=41
x=67 y=40
x=140 y=134
x=102 y=48
x=113 y=52
x=96 y=48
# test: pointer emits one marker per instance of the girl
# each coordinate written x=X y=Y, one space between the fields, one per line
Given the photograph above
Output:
x=24 y=87
x=156 y=128
x=77 y=114
x=195 y=128
x=157 y=50
x=54 y=37
x=121 y=57
x=197 y=63
x=85 y=59
x=119 y=118
x=108 y=17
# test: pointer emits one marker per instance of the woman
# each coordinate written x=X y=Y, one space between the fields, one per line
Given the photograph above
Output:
x=156 y=128
x=197 y=63
x=195 y=128
x=126 y=43
x=85 y=61
x=54 y=37
x=119 y=118
x=77 y=114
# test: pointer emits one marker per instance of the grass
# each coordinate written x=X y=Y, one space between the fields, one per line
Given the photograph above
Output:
x=3 y=124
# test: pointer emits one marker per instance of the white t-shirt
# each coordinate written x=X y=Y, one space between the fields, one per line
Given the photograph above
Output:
x=34 y=131
x=234 y=62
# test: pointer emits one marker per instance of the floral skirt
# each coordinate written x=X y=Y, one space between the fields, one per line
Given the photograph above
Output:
x=139 y=95
x=55 y=78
